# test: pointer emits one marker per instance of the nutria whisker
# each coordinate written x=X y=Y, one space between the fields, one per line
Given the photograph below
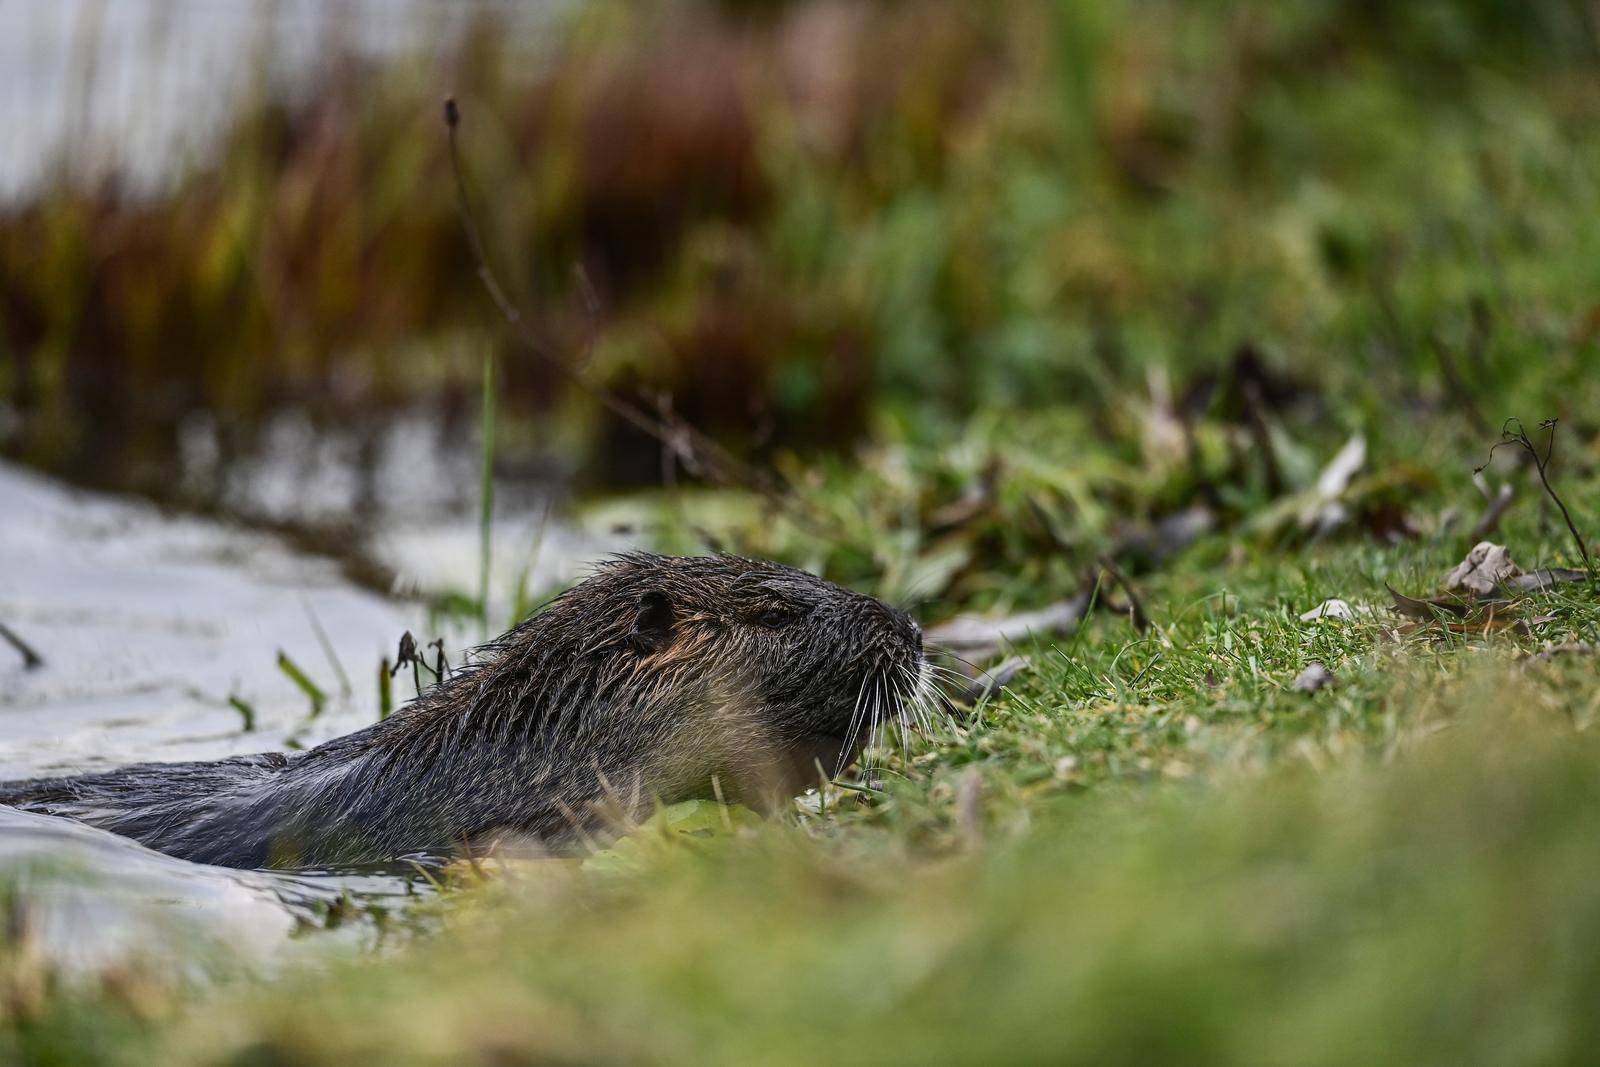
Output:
x=927 y=700
x=880 y=692
x=691 y=677
x=850 y=736
x=949 y=674
x=897 y=700
x=919 y=697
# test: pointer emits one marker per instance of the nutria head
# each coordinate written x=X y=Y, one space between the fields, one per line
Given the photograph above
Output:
x=749 y=655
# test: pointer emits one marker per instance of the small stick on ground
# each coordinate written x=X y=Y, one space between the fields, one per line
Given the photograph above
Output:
x=31 y=660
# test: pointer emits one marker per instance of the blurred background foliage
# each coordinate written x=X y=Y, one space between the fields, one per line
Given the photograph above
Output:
x=807 y=223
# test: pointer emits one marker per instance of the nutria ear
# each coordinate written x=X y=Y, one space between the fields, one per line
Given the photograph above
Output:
x=652 y=626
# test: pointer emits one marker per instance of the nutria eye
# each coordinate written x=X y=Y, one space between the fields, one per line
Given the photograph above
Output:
x=773 y=618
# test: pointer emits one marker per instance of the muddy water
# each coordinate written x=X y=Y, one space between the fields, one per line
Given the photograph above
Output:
x=147 y=625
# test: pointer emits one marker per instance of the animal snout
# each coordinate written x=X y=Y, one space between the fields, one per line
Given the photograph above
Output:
x=900 y=626
x=907 y=628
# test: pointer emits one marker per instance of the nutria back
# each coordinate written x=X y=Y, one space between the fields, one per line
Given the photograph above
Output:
x=657 y=679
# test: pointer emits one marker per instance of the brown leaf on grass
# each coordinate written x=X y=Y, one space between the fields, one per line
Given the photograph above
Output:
x=1430 y=609
x=1480 y=602
x=1455 y=613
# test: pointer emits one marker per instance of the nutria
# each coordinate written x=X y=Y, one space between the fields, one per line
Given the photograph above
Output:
x=657 y=679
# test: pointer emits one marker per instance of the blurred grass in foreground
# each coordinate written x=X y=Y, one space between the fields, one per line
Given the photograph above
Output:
x=1440 y=910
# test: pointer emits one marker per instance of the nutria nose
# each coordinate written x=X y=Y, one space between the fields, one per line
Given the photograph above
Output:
x=901 y=625
x=909 y=629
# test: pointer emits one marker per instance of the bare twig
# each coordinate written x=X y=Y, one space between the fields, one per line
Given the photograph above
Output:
x=1519 y=438
x=407 y=654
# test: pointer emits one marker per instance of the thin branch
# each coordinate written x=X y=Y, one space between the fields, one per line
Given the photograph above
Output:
x=1519 y=438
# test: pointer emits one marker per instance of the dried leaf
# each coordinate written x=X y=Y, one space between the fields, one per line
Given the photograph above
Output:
x=1496 y=618
x=1427 y=610
x=1325 y=512
x=1346 y=463
x=1485 y=569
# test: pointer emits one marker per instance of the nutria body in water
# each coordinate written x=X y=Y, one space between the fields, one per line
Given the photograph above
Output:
x=657 y=679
